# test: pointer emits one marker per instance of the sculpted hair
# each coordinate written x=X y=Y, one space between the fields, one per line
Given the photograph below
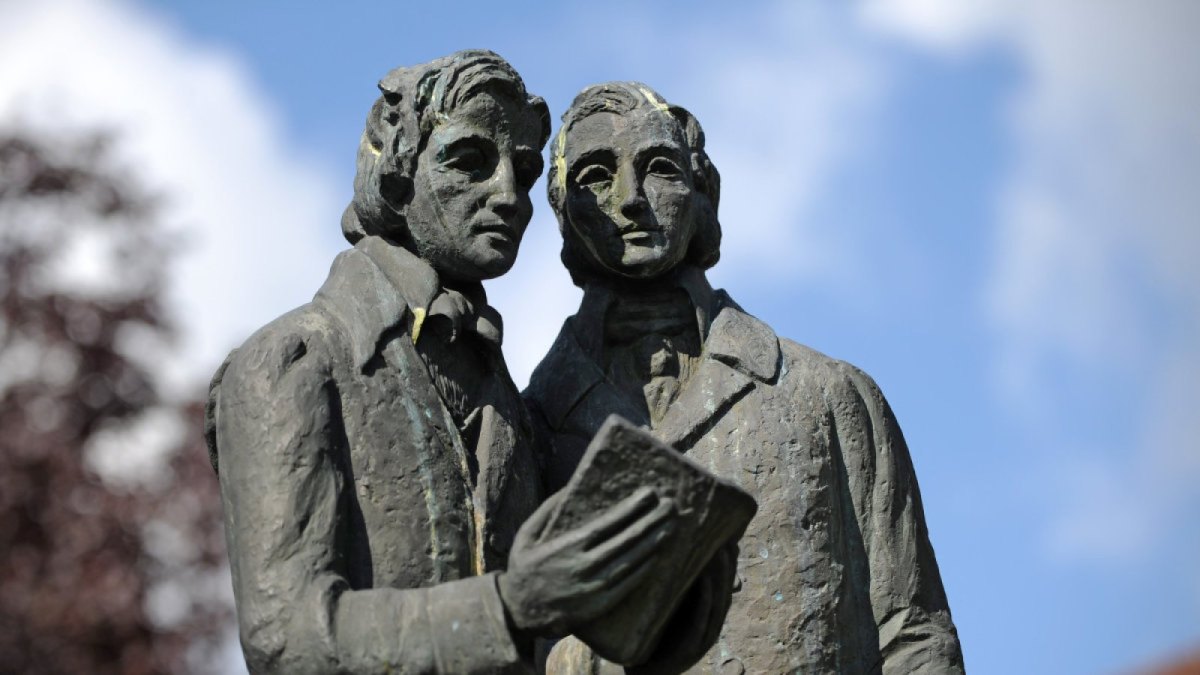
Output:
x=622 y=98
x=413 y=101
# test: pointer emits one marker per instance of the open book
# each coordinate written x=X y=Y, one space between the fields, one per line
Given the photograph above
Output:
x=711 y=512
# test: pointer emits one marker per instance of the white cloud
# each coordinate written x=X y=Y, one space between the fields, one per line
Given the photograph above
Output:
x=950 y=26
x=782 y=114
x=1096 y=246
x=250 y=212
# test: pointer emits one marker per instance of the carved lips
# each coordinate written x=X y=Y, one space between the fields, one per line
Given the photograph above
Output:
x=497 y=231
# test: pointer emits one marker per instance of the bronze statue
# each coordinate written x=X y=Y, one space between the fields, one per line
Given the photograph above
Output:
x=376 y=461
x=392 y=505
x=836 y=573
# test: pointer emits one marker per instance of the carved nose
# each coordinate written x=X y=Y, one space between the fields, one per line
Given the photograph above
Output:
x=633 y=206
x=633 y=202
x=504 y=208
x=502 y=199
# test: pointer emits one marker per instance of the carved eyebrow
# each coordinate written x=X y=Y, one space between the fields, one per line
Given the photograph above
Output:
x=468 y=137
x=658 y=149
x=594 y=156
x=455 y=142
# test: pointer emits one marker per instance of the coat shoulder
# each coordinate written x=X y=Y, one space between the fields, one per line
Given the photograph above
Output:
x=838 y=379
x=302 y=338
x=300 y=344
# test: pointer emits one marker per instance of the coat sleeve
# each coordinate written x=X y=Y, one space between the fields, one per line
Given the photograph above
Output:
x=285 y=488
x=916 y=633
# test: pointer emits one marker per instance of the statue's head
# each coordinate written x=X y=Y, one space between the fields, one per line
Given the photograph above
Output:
x=633 y=189
x=450 y=151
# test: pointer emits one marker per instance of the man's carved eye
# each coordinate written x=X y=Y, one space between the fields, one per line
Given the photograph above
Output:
x=594 y=176
x=469 y=160
x=664 y=168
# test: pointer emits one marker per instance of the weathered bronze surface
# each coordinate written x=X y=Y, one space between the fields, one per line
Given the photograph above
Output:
x=393 y=504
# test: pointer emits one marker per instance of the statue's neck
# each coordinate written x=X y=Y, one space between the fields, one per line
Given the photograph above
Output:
x=624 y=308
x=665 y=311
x=647 y=336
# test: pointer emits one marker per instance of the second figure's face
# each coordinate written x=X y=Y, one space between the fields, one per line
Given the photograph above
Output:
x=470 y=202
x=630 y=195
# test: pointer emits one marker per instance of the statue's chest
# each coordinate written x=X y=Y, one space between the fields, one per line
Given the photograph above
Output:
x=791 y=560
x=778 y=448
x=413 y=502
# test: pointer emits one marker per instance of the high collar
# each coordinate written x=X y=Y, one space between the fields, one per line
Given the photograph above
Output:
x=597 y=299
x=414 y=279
x=378 y=288
x=733 y=340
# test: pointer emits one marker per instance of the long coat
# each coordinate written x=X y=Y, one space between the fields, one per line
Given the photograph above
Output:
x=836 y=573
x=361 y=529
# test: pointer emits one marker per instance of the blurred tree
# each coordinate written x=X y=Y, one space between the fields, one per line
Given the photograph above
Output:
x=104 y=568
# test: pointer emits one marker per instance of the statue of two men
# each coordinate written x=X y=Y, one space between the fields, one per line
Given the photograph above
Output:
x=387 y=489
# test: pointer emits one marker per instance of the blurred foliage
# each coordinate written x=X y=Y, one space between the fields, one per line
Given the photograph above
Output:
x=99 y=572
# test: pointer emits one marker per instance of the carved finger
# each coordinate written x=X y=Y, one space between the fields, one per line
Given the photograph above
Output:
x=619 y=517
x=617 y=587
x=622 y=555
x=642 y=537
x=587 y=535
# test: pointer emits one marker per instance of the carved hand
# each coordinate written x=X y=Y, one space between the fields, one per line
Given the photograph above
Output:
x=576 y=576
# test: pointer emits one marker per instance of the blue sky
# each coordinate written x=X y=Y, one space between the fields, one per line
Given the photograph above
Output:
x=989 y=206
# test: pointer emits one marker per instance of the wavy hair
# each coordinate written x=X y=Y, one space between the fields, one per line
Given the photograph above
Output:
x=413 y=101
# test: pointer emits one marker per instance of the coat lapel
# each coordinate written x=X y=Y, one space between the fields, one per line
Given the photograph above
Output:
x=503 y=452
x=740 y=351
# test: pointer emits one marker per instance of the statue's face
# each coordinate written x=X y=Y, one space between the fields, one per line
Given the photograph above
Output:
x=630 y=196
x=470 y=203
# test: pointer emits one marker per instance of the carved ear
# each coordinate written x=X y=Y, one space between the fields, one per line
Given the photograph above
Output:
x=543 y=112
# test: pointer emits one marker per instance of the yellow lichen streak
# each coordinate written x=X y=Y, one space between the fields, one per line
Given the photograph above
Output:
x=560 y=159
x=654 y=100
x=418 y=319
x=477 y=549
